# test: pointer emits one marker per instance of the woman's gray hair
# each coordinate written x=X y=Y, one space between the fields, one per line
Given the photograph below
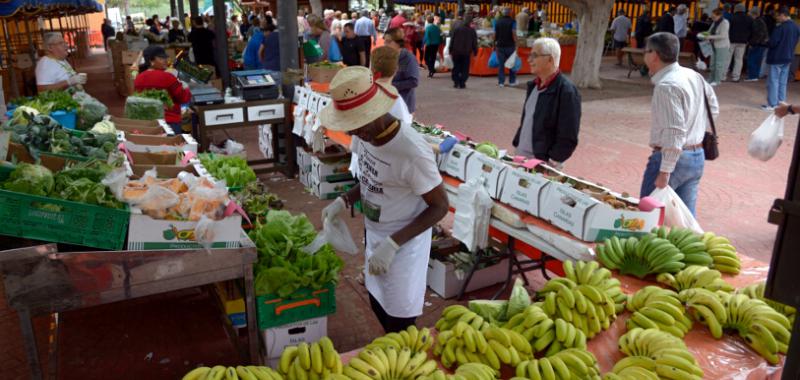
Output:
x=51 y=38
x=665 y=45
x=549 y=46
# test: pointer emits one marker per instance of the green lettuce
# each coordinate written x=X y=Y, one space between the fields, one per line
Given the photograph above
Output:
x=490 y=310
x=519 y=299
x=30 y=179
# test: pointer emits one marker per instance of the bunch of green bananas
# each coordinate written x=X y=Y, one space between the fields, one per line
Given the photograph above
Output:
x=587 y=307
x=545 y=334
x=458 y=313
x=468 y=371
x=688 y=242
x=756 y=291
x=494 y=346
x=572 y=363
x=389 y=363
x=723 y=253
x=764 y=329
x=656 y=353
x=707 y=308
x=589 y=273
x=639 y=258
x=316 y=361
x=696 y=276
x=633 y=368
x=655 y=309
x=230 y=373
x=415 y=339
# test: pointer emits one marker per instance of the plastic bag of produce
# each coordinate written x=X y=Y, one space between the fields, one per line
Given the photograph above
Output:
x=90 y=110
x=143 y=108
x=765 y=140
x=676 y=214
x=471 y=221
x=334 y=232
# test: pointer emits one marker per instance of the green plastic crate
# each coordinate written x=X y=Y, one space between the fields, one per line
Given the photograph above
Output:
x=305 y=303
x=28 y=216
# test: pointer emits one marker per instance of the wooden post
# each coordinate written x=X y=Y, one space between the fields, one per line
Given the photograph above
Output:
x=221 y=56
x=193 y=8
x=12 y=75
x=287 y=10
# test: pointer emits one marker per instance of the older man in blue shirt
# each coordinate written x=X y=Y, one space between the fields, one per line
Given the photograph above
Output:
x=365 y=30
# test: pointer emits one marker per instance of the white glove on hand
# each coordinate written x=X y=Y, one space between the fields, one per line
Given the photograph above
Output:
x=333 y=210
x=382 y=257
x=76 y=79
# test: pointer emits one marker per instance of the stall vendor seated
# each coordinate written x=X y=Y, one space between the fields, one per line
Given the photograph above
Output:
x=53 y=72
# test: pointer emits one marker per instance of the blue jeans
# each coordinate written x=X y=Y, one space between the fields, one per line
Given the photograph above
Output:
x=502 y=55
x=176 y=127
x=685 y=179
x=754 y=58
x=776 y=84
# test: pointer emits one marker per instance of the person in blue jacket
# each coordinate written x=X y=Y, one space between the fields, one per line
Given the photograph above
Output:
x=251 y=59
x=782 y=43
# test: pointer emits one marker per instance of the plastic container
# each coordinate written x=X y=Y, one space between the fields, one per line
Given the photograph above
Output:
x=67 y=119
x=60 y=221
x=305 y=303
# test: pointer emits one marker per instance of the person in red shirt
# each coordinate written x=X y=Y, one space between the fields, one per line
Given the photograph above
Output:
x=398 y=20
x=152 y=75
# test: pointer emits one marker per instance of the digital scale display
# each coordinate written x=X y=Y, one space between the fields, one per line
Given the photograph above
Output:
x=257 y=80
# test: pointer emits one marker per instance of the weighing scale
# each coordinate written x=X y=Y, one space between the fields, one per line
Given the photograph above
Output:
x=205 y=94
x=255 y=85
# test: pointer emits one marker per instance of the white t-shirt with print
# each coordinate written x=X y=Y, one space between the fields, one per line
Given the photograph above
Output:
x=52 y=71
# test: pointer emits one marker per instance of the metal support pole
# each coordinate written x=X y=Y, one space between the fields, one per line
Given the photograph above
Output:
x=193 y=8
x=220 y=26
x=287 y=10
x=32 y=49
x=9 y=58
x=180 y=14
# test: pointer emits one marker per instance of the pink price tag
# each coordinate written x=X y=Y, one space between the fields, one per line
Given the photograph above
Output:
x=123 y=149
x=187 y=156
x=234 y=207
x=438 y=126
x=460 y=136
x=532 y=163
x=519 y=159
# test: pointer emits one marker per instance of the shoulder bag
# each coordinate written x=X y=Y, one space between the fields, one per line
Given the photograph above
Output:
x=710 y=143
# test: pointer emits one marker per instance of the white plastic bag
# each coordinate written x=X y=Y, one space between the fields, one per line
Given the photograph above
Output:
x=765 y=140
x=335 y=232
x=701 y=65
x=299 y=120
x=511 y=61
x=448 y=61
x=676 y=214
x=473 y=212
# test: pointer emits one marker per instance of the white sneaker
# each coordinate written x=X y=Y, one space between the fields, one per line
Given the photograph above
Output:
x=751 y=80
x=767 y=108
x=714 y=84
x=501 y=84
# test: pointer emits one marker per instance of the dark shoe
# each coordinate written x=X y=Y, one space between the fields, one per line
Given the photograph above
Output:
x=462 y=85
x=456 y=85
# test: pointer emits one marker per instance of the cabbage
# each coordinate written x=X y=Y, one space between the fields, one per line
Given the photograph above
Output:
x=519 y=299
x=30 y=179
x=490 y=310
x=103 y=127
x=22 y=115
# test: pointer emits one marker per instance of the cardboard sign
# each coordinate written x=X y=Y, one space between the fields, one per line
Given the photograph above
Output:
x=524 y=191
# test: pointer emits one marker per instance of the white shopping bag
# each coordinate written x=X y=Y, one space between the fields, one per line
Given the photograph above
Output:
x=511 y=61
x=765 y=140
x=676 y=214
x=334 y=232
x=706 y=49
x=473 y=211
x=701 y=65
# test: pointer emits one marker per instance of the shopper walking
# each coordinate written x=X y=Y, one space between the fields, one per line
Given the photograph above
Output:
x=679 y=121
x=202 y=41
x=432 y=39
x=759 y=38
x=666 y=23
x=741 y=29
x=681 y=21
x=365 y=30
x=352 y=48
x=782 y=43
x=406 y=79
x=400 y=189
x=718 y=35
x=505 y=44
x=551 y=116
x=463 y=45
x=621 y=27
x=107 y=31
x=644 y=27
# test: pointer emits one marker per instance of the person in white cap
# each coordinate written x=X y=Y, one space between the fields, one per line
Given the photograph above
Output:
x=400 y=189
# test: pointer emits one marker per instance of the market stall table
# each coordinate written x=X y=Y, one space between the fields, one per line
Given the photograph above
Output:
x=39 y=280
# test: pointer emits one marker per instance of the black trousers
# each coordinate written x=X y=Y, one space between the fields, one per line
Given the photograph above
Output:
x=389 y=323
x=460 y=69
x=430 y=57
x=367 y=43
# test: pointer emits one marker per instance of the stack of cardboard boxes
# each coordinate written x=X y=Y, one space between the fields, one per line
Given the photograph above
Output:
x=326 y=174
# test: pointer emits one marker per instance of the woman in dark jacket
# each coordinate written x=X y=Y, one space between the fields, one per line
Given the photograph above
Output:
x=552 y=113
x=406 y=79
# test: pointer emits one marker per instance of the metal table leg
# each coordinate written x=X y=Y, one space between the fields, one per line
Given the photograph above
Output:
x=29 y=337
x=252 y=326
x=509 y=251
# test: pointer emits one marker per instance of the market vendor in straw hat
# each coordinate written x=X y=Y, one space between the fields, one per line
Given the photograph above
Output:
x=400 y=190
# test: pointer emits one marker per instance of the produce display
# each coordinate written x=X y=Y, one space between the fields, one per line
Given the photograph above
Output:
x=389 y=364
x=90 y=110
x=688 y=242
x=317 y=360
x=572 y=363
x=488 y=149
x=283 y=266
x=173 y=199
x=695 y=276
x=763 y=328
x=41 y=133
x=639 y=258
x=257 y=201
x=48 y=101
x=232 y=169
x=230 y=373
x=654 y=354
x=658 y=308
x=589 y=273
x=469 y=371
x=723 y=253
x=492 y=346
x=160 y=95
x=547 y=336
x=143 y=108
x=586 y=306
x=418 y=340
x=756 y=291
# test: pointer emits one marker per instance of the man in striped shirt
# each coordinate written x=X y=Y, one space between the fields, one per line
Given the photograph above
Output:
x=679 y=121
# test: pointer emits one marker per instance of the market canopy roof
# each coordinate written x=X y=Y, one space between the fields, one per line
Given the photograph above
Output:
x=30 y=8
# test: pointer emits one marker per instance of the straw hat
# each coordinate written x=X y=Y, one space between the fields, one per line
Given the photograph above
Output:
x=357 y=100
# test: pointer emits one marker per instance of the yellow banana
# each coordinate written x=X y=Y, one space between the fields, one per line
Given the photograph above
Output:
x=197 y=373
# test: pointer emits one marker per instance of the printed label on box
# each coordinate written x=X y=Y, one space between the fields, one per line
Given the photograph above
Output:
x=523 y=190
x=492 y=169
x=456 y=162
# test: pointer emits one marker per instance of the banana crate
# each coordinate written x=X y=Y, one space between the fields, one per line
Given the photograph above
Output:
x=305 y=303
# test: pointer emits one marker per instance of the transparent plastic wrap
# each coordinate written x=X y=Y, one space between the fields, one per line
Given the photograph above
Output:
x=139 y=108
x=90 y=110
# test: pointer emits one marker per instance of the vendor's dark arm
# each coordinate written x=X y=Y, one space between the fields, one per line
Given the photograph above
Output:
x=569 y=121
x=438 y=205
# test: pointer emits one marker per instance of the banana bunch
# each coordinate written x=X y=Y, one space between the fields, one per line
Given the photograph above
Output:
x=723 y=253
x=572 y=363
x=671 y=359
x=230 y=373
x=389 y=363
x=585 y=306
x=707 y=308
x=633 y=368
x=469 y=371
x=545 y=334
x=494 y=346
x=316 y=361
x=453 y=314
x=764 y=329
x=639 y=258
x=652 y=293
x=658 y=308
x=756 y=291
x=696 y=276
x=688 y=242
x=415 y=339
x=589 y=273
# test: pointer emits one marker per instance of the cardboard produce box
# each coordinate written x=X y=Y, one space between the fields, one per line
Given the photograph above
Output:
x=335 y=170
x=141 y=127
x=442 y=278
x=276 y=339
x=492 y=169
x=322 y=74
x=147 y=233
x=328 y=190
x=150 y=143
x=454 y=162
x=524 y=191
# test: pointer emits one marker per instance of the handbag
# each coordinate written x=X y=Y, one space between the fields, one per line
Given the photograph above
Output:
x=710 y=143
